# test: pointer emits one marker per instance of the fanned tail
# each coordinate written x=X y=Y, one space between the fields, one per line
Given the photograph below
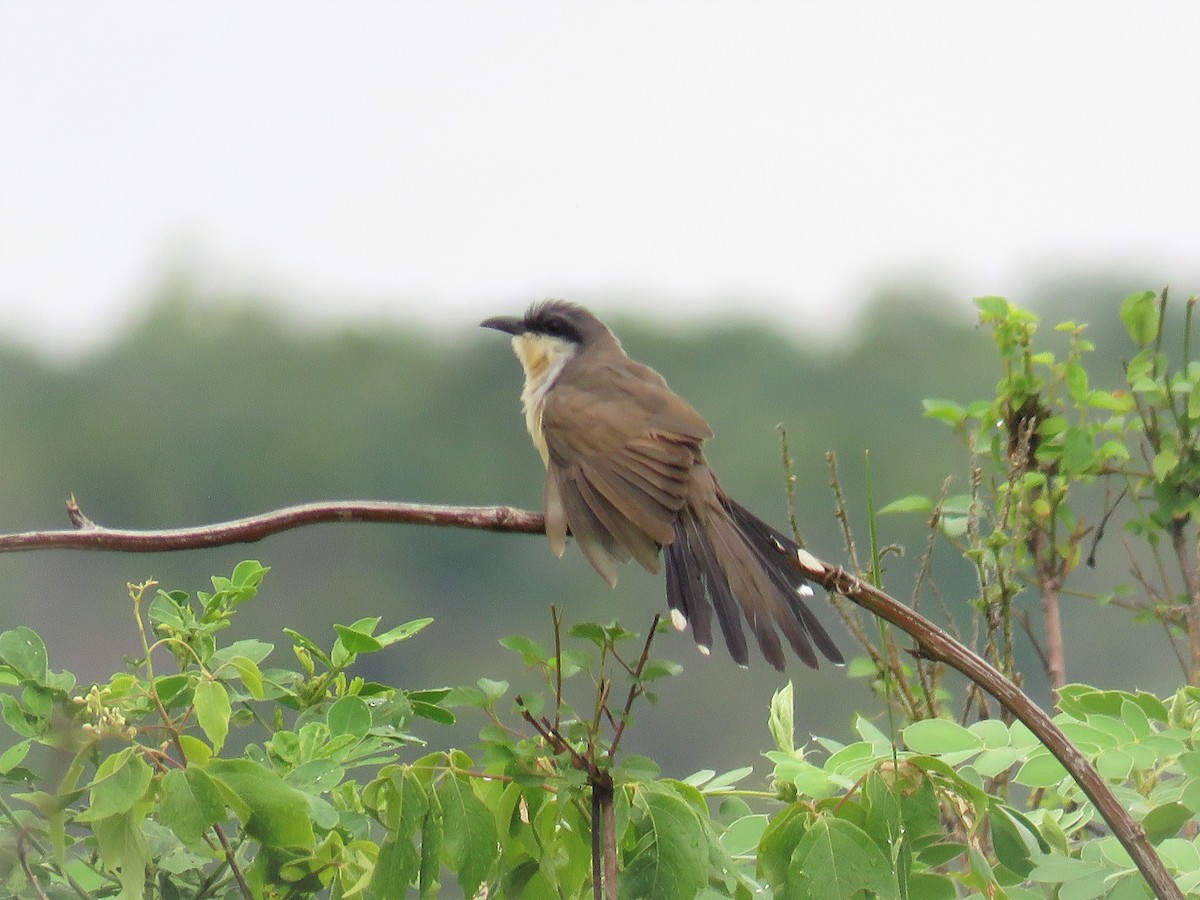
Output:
x=725 y=559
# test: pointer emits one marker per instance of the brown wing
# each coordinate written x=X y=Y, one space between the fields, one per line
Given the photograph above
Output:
x=621 y=449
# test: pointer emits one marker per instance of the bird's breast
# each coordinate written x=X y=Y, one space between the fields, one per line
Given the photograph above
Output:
x=543 y=359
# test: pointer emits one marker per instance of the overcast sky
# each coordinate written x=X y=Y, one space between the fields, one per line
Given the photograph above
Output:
x=449 y=160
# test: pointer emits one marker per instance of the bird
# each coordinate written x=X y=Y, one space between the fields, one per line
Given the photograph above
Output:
x=626 y=477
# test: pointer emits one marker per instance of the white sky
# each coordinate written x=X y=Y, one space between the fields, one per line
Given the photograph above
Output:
x=454 y=159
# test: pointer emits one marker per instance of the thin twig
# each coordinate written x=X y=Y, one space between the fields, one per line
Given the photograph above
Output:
x=1109 y=509
x=839 y=511
x=1191 y=583
x=635 y=689
x=789 y=484
x=26 y=868
x=597 y=858
x=556 y=618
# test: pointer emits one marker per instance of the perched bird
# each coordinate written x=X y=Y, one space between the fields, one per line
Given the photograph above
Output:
x=626 y=475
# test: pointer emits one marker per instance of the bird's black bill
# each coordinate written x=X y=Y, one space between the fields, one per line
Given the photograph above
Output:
x=507 y=324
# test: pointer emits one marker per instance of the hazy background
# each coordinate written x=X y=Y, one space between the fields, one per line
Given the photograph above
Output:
x=243 y=249
x=447 y=160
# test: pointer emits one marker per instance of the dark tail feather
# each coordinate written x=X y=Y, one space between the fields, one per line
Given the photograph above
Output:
x=705 y=578
x=777 y=551
x=685 y=590
x=741 y=564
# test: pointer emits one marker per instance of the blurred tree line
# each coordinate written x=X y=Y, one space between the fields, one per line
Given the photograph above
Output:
x=211 y=408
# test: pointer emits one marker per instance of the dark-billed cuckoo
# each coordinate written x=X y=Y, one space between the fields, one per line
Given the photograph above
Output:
x=626 y=475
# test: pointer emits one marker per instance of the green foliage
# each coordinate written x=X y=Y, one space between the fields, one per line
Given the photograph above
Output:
x=1054 y=459
x=151 y=802
x=955 y=809
x=130 y=789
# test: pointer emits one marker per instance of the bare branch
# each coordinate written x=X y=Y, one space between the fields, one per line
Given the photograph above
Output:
x=86 y=535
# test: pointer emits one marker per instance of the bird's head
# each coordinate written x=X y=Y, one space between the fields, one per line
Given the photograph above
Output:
x=549 y=335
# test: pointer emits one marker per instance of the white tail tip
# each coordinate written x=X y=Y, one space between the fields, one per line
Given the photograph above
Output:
x=679 y=620
x=808 y=560
x=704 y=651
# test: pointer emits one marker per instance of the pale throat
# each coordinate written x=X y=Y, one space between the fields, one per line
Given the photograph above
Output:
x=542 y=358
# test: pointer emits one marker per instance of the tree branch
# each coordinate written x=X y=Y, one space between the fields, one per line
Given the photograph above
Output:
x=936 y=643
x=940 y=646
x=86 y=535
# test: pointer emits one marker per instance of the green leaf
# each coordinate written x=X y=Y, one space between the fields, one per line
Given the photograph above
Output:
x=671 y=856
x=249 y=573
x=633 y=767
x=726 y=779
x=660 y=668
x=1013 y=848
x=1165 y=820
x=250 y=674
x=254 y=650
x=992 y=732
x=944 y=410
x=403 y=632
x=213 y=711
x=1115 y=401
x=1164 y=464
x=190 y=803
x=1077 y=382
x=273 y=812
x=310 y=645
x=433 y=713
x=589 y=631
x=779 y=841
x=836 y=858
x=399 y=863
x=1139 y=312
x=1113 y=449
x=23 y=649
x=939 y=736
x=1041 y=770
x=911 y=503
x=349 y=715
x=1078 y=451
x=743 y=835
x=927 y=886
x=123 y=850
x=993 y=308
x=1051 y=869
x=432 y=835
x=530 y=650
x=991 y=763
x=12 y=756
x=356 y=641
x=121 y=781
x=470 y=841
x=492 y=690
x=396 y=867
x=781 y=721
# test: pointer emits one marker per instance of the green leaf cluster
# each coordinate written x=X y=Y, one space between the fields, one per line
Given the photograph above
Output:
x=130 y=788
x=955 y=810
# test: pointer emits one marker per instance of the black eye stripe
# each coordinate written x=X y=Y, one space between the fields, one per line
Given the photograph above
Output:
x=556 y=319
